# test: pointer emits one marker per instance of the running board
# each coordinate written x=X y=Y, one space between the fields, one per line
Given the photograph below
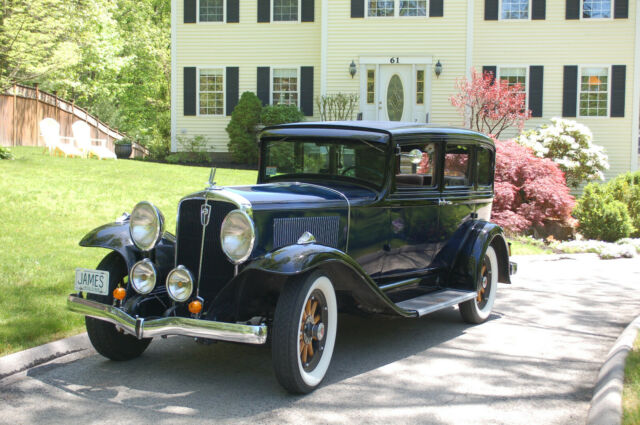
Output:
x=435 y=301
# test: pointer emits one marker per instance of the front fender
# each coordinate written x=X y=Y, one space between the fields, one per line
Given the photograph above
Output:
x=115 y=236
x=466 y=267
x=347 y=274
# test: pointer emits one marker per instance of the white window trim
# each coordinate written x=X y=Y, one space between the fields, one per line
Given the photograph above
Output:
x=582 y=18
x=224 y=14
x=396 y=12
x=272 y=5
x=271 y=69
x=580 y=67
x=224 y=91
x=526 y=83
x=500 y=18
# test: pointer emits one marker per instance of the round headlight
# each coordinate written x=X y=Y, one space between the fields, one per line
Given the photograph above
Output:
x=179 y=284
x=146 y=225
x=237 y=236
x=143 y=276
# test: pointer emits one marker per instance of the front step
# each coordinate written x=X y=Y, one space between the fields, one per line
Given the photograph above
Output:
x=435 y=301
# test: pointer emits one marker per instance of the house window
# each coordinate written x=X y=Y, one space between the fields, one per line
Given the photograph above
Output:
x=211 y=11
x=515 y=9
x=371 y=86
x=420 y=86
x=413 y=8
x=285 y=10
x=513 y=76
x=285 y=87
x=396 y=7
x=596 y=9
x=594 y=92
x=211 y=92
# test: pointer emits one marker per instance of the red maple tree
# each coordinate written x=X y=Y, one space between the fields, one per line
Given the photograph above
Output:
x=489 y=105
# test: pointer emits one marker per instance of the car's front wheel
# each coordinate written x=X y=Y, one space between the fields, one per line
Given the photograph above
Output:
x=104 y=336
x=478 y=309
x=304 y=332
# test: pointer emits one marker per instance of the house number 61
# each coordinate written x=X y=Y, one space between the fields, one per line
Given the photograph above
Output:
x=394 y=60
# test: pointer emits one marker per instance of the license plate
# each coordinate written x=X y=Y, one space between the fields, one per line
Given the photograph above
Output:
x=92 y=281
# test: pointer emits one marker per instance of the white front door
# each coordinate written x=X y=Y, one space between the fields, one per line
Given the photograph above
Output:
x=395 y=101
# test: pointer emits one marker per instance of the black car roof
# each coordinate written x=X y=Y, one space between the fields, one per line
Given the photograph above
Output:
x=394 y=128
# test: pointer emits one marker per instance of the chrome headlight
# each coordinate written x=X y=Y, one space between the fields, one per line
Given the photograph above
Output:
x=146 y=225
x=179 y=284
x=143 y=276
x=237 y=236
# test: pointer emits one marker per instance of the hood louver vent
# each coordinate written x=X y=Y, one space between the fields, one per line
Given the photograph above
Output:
x=287 y=231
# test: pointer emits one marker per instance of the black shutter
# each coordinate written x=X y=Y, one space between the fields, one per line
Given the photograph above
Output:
x=233 y=11
x=618 y=88
x=308 y=10
x=572 y=10
x=493 y=70
x=357 y=8
x=621 y=9
x=190 y=11
x=436 y=8
x=306 y=90
x=264 y=11
x=231 y=92
x=536 y=78
x=264 y=84
x=538 y=9
x=189 y=93
x=490 y=10
x=570 y=91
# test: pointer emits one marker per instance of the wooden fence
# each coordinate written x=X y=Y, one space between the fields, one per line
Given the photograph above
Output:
x=22 y=108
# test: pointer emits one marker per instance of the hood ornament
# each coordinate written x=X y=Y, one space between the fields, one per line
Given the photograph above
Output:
x=212 y=183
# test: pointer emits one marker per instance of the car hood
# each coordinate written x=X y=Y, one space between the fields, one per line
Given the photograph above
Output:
x=289 y=194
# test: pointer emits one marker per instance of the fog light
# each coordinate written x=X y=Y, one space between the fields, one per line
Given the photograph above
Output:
x=119 y=294
x=179 y=284
x=195 y=307
x=143 y=276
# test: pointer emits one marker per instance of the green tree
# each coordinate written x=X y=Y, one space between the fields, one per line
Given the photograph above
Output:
x=243 y=145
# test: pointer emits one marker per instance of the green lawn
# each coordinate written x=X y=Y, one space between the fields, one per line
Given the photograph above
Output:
x=631 y=390
x=47 y=205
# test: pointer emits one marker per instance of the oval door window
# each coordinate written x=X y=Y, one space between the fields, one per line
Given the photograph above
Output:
x=395 y=98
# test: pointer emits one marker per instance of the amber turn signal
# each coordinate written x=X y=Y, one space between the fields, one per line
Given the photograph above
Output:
x=195 y=307
x=119 y=293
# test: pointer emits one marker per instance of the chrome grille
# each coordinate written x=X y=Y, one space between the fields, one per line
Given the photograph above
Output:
x=287 y=231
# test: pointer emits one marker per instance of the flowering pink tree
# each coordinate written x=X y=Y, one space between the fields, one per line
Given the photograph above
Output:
x=528 y=190
x=490 y=106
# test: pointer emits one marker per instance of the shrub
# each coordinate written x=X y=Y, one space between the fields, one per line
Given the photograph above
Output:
x=570 y=145
x=159 y=148
x=280 y=114
x=610 y=211
x=193 y=150
x=528 y=189
x=243 y=145
x=337 y=107
x=5 y=153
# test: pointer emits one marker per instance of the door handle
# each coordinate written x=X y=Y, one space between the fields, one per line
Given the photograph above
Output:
x=442 y=202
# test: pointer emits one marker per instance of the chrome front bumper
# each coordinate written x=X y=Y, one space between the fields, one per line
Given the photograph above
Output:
x=142 y=328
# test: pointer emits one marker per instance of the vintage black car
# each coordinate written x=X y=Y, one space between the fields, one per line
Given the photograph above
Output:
x=374 y=217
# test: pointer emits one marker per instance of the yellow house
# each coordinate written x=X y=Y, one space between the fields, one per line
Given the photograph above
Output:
x=575 y=58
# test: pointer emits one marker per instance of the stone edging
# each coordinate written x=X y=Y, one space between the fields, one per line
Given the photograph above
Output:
x=606 y=404
x=23 y=360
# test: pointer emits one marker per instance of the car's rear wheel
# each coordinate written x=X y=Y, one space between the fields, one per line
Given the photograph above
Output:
x=478 y=309
x=304 y=332
x=104 y=336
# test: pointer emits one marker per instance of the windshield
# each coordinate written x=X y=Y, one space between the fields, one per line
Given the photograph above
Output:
x=333 y=159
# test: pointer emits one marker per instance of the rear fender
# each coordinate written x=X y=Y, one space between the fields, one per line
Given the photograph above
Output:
x=115 y=236
x=466 y=267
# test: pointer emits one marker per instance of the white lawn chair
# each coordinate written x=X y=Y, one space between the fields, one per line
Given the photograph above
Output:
x=57 y=145
x=88 y=145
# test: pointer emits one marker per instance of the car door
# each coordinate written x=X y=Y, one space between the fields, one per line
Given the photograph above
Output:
x=413 y=210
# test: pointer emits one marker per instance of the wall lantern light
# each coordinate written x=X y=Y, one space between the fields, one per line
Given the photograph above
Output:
x=352 y=69
x=438 y=69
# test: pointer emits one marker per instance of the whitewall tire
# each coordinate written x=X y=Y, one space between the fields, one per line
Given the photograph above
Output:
x=479 y=309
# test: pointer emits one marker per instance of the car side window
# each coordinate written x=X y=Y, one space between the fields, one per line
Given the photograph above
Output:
x=485 y=167
x=414 y=171
x=457 y=165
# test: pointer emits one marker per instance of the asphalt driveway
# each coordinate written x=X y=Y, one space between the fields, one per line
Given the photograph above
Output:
x=534 y=362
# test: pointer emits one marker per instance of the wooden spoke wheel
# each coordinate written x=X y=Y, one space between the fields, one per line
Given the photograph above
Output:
x=304 y=332
x=479 y=309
